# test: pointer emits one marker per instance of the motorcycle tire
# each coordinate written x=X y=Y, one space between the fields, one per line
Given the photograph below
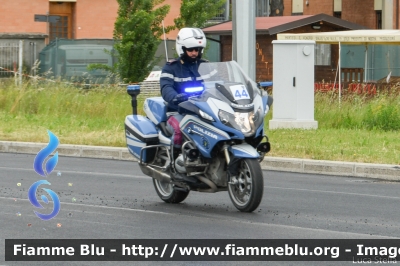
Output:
x=167 y=193
x=246 y=190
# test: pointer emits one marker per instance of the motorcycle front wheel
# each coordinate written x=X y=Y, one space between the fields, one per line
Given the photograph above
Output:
x=167 y=193
x=246 y=190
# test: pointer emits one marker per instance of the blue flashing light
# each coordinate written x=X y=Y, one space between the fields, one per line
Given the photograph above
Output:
x=194 y=89
x=133 y=87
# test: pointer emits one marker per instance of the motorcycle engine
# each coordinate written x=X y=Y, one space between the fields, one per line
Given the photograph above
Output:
x=179 y=164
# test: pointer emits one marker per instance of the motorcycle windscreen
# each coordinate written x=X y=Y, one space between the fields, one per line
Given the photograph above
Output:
x=228 y=73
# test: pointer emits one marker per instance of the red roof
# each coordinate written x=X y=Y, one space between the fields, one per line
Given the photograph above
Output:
x=273 y=25
x=262 y=23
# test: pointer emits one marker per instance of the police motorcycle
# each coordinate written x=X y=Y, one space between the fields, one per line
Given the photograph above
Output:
x=224 y=141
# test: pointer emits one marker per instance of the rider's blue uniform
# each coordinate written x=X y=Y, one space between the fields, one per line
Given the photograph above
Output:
x=177 y=75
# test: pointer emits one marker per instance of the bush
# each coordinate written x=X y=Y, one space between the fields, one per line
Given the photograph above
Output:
x=383 y=114
x=358 y=112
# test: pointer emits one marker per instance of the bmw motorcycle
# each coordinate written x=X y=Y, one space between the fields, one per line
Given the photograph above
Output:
x=223 y=138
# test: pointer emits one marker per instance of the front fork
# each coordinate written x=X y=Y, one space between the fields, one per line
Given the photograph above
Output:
x=231 y=180
x=226 y=153
x=262 y=148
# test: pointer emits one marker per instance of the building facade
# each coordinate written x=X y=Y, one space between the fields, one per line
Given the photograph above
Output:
x=95 y=19
x=89 y=19
x=373 y=14
x=267 y=28
x=79 y=19
x=61 y=19
x=69 y=19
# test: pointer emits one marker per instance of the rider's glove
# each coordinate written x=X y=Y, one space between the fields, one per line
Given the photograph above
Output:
x=180 y=98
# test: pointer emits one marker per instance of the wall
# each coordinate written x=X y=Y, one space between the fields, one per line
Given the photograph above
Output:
x=99 y=22
x=362 y=12
x=287 y=7
x=91 y=19
x=174 y=12
x=264 y=56
x=95 y=19
x=317 y=7
x=357 y=11
x=18 y=16
x=314 y=7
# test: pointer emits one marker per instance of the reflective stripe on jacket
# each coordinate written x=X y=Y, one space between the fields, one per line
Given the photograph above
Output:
x=176 y=76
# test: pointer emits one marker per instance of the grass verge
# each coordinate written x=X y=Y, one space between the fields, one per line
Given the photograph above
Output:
x=361 y=130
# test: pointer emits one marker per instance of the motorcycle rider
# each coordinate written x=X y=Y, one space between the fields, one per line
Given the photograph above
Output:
x=178 y=74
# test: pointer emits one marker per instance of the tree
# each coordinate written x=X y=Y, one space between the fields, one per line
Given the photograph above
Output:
x=137 y=33
x=196 y=13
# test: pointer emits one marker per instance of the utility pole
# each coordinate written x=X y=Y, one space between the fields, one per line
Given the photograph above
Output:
x=244 y=35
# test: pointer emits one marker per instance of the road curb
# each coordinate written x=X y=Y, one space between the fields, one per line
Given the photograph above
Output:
x=366 y=170
x=380 y=171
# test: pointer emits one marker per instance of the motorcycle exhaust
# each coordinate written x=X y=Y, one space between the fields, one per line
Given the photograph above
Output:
x=154 y=173
x=163 y=177
x=213 y=188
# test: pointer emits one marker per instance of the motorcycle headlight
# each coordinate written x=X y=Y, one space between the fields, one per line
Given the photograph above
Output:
x=243 y=121
x=225 y=117
x=246 y=122
x=205 y=116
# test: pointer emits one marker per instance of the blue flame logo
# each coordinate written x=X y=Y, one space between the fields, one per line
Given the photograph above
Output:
x=49 y=167
x=34 y=201
x=44 y=153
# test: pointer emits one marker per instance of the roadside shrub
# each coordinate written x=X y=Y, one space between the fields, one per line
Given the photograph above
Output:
x=385 y=116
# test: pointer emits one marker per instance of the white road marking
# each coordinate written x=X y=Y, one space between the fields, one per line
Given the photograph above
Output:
x=213 y=217
x=334 y=192
x=79 y=172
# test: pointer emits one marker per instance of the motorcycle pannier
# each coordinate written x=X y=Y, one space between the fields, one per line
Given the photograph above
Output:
x=140 y=132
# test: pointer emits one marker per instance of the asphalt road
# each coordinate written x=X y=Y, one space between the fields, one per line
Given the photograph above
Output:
x=113 y=199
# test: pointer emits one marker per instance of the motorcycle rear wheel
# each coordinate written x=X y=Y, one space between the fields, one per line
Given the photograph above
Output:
x=167 y=193
x=246 y=190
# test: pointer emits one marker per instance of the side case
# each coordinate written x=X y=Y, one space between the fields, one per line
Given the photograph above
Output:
x=140 y=132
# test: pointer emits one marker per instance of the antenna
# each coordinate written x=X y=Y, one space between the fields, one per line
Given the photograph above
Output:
x=165 y=43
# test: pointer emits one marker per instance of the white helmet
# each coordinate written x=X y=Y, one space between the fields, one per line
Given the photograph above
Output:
x=190 y=38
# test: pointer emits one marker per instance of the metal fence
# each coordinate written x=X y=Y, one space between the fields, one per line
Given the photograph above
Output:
x=11 y=59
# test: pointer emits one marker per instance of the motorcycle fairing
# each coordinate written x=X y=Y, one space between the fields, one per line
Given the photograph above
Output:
x=155 y=109
x=204 y=135
x=188 y=107
x=193 y=107
x=243 y=150
x=219 y=99
x=260 y=131
x=265 y=101
x=216 y=105
x=205 y=106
